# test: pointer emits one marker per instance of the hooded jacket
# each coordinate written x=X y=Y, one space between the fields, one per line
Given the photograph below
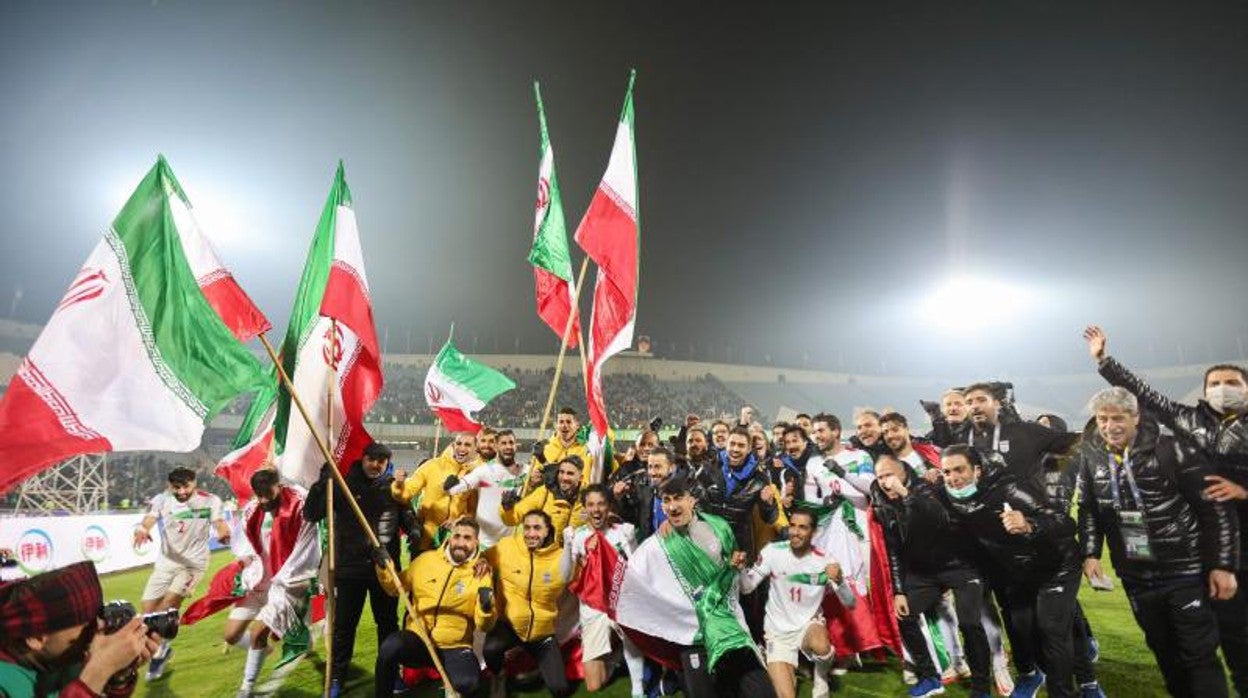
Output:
x=919 y=531
x=1050 y=550
x=1188 y=534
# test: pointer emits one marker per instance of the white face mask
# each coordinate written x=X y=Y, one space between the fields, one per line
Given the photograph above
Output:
x=1227 y=398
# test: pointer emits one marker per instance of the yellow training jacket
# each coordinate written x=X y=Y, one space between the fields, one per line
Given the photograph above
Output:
x=562 y=512
x=555 y=451
x=445 y=596
x=530 y=585
x=436 y=506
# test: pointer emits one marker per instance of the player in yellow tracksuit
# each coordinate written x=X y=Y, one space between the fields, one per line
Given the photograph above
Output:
x=562 y=504
x=451 y=601
x=531 y=580
x=558 y=447
x=437 y=509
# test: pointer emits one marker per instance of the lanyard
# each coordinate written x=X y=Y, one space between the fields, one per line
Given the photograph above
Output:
x=1115 y=488
x=996 y=437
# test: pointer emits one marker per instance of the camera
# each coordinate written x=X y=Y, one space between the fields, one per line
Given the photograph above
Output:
x=116 y=614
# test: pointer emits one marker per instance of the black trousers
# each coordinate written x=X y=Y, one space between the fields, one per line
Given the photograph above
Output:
x=1043 y=614
x=349 y=596
x=404 y=648
x=739 y=674
x=1232 y=616
x=1081 y=663
x=923 y=593
x=1181 y=629
x=543 y=650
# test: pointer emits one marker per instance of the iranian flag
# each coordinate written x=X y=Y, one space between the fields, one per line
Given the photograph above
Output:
x=610 y=234
x=671 y=595
x=552 y=263
x=134 y=357
x=252 y=448
x=457 y=387
x=330 y=341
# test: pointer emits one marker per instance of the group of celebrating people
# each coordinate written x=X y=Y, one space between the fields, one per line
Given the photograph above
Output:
x=734 y=558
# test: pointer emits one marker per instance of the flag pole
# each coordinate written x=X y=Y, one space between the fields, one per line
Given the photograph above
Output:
x=331 y=603
x=437 y=434
x=418 y=628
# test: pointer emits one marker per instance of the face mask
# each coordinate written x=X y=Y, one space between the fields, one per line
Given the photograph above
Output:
x=962 y=492
x=1227 y=398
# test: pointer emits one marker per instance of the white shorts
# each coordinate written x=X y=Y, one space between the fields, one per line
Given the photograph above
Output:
x=596 y=632
x=171 y=579
x=783 y=648
x=248 y=607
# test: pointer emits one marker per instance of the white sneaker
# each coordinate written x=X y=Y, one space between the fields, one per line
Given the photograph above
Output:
x=1001 y=675
x=909 y=677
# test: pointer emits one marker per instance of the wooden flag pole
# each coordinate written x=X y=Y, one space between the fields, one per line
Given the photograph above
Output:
x=418 y=627
x=331 y=602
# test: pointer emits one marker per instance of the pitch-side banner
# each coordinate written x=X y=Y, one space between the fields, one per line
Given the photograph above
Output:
x=42 y=543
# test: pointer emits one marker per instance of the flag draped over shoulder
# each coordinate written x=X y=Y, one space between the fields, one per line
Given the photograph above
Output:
x=672 y=595
x=610 y=234
x=330 y=341
x=134 y=357
x=456 y=388
x=550 y=257
x=593 y=585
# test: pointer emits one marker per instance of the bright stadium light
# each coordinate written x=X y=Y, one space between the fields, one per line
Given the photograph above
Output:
x=965 y=303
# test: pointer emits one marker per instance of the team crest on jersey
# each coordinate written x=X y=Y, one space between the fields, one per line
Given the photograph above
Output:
x=459 y=588
x=1004 y=446
x=545 y=578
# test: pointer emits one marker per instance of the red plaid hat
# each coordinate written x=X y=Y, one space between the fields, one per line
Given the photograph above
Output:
x=51 y=601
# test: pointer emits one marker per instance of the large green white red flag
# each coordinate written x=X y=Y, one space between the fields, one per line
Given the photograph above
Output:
x=551 y=260
x=456 y=388
x=134 y=357
x=610 y=234
x=330 y=340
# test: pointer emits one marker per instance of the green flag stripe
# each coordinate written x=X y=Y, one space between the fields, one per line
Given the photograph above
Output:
x=190 y=347
x=477 y=378
x=550 y=245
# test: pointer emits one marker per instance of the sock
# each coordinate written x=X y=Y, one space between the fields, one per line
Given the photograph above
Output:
x=821 y=689
x=255 y=658
x=243 y=642
x=636 y=667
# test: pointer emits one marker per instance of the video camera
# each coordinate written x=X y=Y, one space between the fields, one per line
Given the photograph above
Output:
x=116 y=614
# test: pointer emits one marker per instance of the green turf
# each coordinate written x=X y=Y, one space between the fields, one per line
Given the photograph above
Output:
x=199 y=668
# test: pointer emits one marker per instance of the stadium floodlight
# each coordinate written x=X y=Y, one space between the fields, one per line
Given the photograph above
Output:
x=967 y=303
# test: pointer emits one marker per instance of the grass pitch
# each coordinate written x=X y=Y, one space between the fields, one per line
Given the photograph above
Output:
x=199 y=667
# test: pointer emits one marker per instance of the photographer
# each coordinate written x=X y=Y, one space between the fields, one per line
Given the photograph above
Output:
x=51 y=641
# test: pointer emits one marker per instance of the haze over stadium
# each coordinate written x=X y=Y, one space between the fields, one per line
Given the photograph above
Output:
x=879 y=252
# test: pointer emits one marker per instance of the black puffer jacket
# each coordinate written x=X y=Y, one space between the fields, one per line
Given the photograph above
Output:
x=1022 y=446
x=1189 y=535
x=1224 y=441
x=1050 y=550
x=386 y=516
x=737 y=508
x=919 y=532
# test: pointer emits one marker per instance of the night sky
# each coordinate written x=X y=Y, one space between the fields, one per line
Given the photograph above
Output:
x=810 y=178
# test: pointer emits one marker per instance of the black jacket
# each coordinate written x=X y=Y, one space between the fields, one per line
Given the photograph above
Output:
x=919 y=532
x=1188 y=534
x=944 y=433
x=1050 y=550
x=1224 y=441
x=736 y=508
x=1022 y=447
x=386 y=516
